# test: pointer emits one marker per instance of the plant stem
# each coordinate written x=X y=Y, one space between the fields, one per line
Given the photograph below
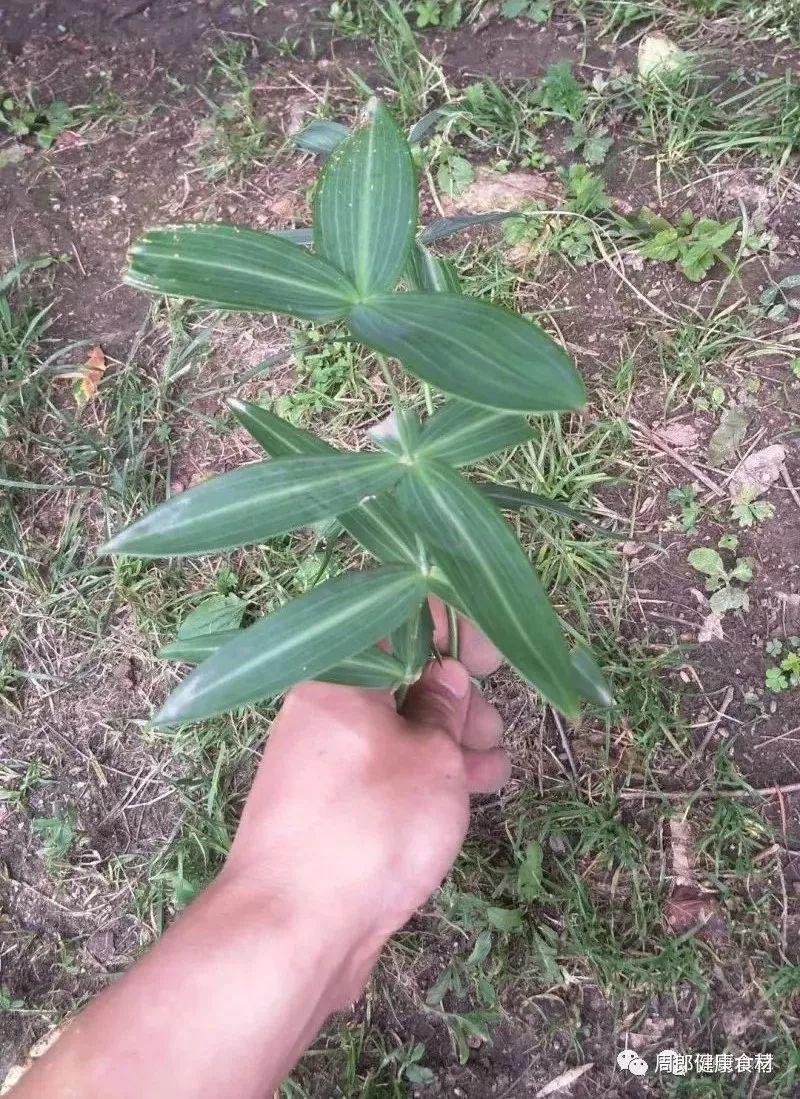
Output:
x=426 y=392
x=387 y=377
x=452 y=626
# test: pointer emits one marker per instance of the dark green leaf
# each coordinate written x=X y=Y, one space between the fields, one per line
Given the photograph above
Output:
x=256 y=502
x=365 y=204
x=302 y=640
x=378 y=524
x=231 y=267
x=480 y=560
x=514 y=499
x=413 y=639
x=424 y=271
x=424 y=125
x=471 y=349
x=372 y=668
x=459 y=433
x=320 y=136
x=277 y=436
x=446 y=227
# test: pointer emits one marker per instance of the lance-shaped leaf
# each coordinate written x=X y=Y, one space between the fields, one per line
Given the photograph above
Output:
x=483 y=563
x=514 y=499
x=590 y=681
x=230 y=267
x=256 y=502
x=377 y=524
x=302 y=640
x=412 y=641
x=447 y=227
x=365 y=204
x=320 y=136
x=277 y=436
x=471 y=349
x=424 y=271
x=459 y=433
x=372 y=668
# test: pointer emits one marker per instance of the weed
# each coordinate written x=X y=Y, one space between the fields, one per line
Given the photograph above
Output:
x=686 y=498
x=748 y=511
x=239 y=135
x=728 y=586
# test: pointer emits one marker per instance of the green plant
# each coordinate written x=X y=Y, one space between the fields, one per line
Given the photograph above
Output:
x=686 y=499
x=405 y=504
x=538 y=11
x=57 y=835
x=695 y=245
x=728 y=586
x=786 y=673
x=435 y=13
x=748 y=511
x=777 y=301
x=23 y=116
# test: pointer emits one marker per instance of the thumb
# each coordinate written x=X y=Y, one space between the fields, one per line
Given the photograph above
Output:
x=440 y=697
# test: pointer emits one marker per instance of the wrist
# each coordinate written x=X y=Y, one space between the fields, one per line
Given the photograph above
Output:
x=332 y=937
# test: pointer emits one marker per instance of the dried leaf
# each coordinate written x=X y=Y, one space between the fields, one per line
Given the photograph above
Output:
x=688 y=906
x=757 y=472
x=711 y=629
x=564 y=1081
x=88 y=378
x=729 y=436
x=495 y=191
x=658 y=56
x=678 y=436
x=680 y=835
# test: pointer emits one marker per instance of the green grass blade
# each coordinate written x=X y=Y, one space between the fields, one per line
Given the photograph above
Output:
x=484 y=564
x=365 y=204
x=372 y=668
x=240 y=269
x=459 y=433
x=377 y=524
x=256 y=502
x=302 y=640
x=471 y=349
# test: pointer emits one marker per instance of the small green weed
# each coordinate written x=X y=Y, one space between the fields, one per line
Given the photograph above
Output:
x=728 y=586
x=786 y=673
x=748 y=511
x=695 y=244
x=57 y=835
x=686 y=498
x=538 y=11
x=238 y=133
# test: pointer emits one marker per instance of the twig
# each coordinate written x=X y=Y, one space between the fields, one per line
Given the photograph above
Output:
x=788 y=482
x=704 y=743
x=631 y=793
x=565 y=744
x=658 y=444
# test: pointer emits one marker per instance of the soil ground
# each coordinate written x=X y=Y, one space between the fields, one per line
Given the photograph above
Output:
x=181 y=112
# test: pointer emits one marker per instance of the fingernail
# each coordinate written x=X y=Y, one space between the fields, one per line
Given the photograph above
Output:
x=453 y=676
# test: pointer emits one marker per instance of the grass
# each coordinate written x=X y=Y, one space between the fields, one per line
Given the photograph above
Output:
x=559 y=899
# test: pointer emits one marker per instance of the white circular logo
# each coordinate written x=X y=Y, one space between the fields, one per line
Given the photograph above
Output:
x=624 y=1058
x=637 y=1066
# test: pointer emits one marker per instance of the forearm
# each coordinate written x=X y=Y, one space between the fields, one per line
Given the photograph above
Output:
x=224 y=1005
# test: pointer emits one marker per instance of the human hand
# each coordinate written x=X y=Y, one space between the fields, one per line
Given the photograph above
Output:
x=357 y=811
